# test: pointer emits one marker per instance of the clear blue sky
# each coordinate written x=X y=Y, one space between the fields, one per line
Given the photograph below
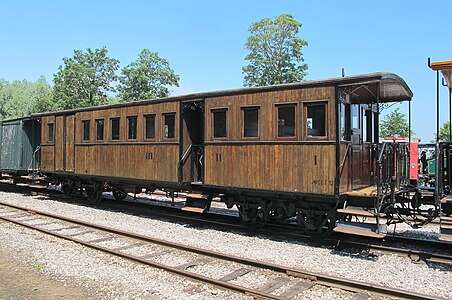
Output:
x=203 y=40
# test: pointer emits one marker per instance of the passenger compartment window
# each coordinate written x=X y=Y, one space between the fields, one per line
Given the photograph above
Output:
x=219 y=123
x=100 y=130
x=114 y=129
x=168 y=126
x=132 y=121
x=316 y=120
x=286 y=121
x=50 y=132
x=86 y=128
x=250 y=121
x=150 y=127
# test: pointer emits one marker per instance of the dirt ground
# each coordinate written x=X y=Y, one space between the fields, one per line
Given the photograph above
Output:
x=26 y=282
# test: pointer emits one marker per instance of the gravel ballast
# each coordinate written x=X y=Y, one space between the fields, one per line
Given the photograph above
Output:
x=118 y=278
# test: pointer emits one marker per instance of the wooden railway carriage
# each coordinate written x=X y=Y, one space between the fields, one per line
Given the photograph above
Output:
x=276 y=152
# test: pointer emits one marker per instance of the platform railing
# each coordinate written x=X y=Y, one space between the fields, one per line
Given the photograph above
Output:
x=392 y=173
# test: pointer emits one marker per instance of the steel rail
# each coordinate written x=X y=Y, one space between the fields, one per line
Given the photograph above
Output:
x=340 y=240
x=317 y=278
x=175 y=270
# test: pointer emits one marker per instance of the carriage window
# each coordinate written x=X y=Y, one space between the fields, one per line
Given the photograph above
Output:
x=50 y=132
x=315 y=120
x=219 y=123
x=342 y=120
x=250 y=122
x=150 y=127
x=100 y=130
x=115 y=129
x=132 y=128
x=286 y=121
x=355 y=118
x=168 y=128
x=86 y=128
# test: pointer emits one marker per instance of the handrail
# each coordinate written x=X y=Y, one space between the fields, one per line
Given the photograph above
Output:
x=184 y=157
x=380 y=156
x=345 y=156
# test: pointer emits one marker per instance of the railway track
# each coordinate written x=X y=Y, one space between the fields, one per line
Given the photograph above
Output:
x=416 y=249
x=282 y=282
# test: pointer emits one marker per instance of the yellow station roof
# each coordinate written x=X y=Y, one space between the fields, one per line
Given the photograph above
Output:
x=446 y=69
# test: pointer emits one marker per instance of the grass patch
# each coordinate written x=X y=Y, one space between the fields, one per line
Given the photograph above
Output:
x=37 y=265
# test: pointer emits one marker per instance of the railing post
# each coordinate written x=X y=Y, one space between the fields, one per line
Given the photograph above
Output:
x=377 y=201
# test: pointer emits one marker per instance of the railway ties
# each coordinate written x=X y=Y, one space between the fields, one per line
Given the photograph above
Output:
x=227 y=271
x=158 y=255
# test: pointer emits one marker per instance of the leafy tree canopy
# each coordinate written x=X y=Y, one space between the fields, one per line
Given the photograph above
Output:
x=444 y=132
x=275 y=52
x=85 y=79
x=21 y=98
x=395 y=124
x=146 y=78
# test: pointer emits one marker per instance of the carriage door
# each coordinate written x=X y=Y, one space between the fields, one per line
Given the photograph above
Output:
x=357 y=146
x=64 y=143
x=191 y=163
x=361 y=145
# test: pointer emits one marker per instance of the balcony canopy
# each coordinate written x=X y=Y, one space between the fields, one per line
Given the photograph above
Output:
x=446 y=69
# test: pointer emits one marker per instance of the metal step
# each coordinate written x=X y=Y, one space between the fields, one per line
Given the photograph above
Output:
x=358 y=212
x=445 y=229
x=362 y=229
x=38 y=186
x=193 y=209
x=197 y=203
x=447 y=199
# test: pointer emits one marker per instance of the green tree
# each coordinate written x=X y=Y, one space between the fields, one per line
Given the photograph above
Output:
x=395 y=124
x=146 y=78
x=22 y=98
x=444 y=132
x=275 y=52
x=3 y=99
x=43 y=100
x=85 y=79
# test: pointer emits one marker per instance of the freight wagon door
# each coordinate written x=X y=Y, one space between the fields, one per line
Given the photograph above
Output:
x=64 y=143
x=191 y=163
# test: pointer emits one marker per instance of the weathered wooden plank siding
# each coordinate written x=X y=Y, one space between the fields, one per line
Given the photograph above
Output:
x=299 y=164
x=272 y=167
x=124 y=157
x=47 y=148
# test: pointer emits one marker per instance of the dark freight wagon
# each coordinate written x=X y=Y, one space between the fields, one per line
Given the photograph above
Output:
x=19 y=145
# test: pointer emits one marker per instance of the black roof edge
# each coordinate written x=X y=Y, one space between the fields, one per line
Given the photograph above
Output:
x=337 y=81
x=27 y=118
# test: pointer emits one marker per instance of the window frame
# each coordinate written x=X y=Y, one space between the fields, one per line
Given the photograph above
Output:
x=128 y=127
x=212 y=120
x=111 y=129
x=96 y=121
x=51 y=137
x=242 y=121
x=145 y=116
x=86 y=121
x=296 y=121
x=163 y=126
x=307 y=104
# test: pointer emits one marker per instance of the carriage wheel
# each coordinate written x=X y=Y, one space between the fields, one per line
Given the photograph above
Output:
x=67 y=188
x=318 y=225
x=94 y=193
x=254 y=217
x=119 y=195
